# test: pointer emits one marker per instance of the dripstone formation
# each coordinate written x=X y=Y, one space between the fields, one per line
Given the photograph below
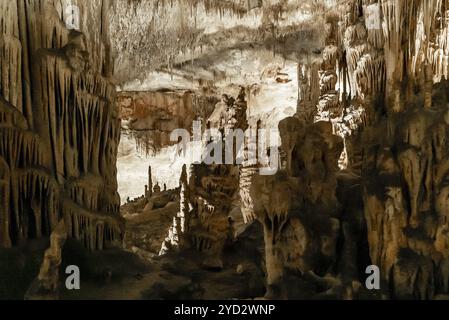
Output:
x=59 y=125
x=392 y=117
x=363 y=167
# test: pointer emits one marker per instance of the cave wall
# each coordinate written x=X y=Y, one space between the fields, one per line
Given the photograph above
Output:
x=59 y=124
x=151 y=116
x=381 y=85
x=392 y=114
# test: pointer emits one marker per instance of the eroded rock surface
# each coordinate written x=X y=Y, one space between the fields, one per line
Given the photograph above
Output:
x=59 y=131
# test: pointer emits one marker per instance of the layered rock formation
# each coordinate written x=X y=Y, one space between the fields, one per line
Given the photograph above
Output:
x=298 y=207
x=59 y=124
x=377 y=89
x=151 y=117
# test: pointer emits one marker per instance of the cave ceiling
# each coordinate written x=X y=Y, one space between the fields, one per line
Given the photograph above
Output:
x=193 y=39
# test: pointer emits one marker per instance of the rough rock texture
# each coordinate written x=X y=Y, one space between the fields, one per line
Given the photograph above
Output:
x=308 y=90
x=46 y=285
x=299 y=208
x=149 y=217
x=378 y=91
x=208 y=196
x=178 y=32
x=396 y=134
x=59 y=124
x=150 y=117
x=364 y=177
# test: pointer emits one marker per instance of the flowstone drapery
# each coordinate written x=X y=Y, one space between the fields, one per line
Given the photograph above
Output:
x=59 y=124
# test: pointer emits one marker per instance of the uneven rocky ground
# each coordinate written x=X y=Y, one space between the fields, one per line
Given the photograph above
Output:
x=118 y=274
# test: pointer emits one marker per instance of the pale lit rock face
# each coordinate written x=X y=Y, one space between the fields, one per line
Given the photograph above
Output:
x=151 y=35
x=272 y=96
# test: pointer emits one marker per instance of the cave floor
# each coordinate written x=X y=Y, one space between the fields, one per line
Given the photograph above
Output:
x=116 y=274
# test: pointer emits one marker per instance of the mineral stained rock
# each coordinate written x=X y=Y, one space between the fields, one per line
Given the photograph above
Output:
x=392 y=117
x=209 y=191
x=59 y=124
x=151 y=117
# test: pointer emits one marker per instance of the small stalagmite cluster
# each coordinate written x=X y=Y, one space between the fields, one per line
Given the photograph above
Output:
x=209 y=194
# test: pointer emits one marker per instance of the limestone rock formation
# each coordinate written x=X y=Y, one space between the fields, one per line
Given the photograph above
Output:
x=46 y=285
x=363 y=173
x=395 y=135
x=59 y=125
x=204 y=222
x=298 y=207
x=150 y=117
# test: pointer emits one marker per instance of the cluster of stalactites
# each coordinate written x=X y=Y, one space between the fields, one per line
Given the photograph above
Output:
x=31 y=207
x=309 y=90
x=94 y=230
x=402 y=41
x=83 y=153
x=59 y=140
x=150 y=35
x=69 y=103
x=413 y=24
x=28 y=191
x=402 y=159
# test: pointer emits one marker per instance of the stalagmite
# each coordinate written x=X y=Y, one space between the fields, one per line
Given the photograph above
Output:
x=150 y=183
x=288 y=202
x=46 y=285
x=358 y=93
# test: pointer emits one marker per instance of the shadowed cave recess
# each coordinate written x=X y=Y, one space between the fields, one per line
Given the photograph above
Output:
x=355 y=91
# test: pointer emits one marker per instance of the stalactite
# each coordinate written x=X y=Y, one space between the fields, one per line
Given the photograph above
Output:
x=401 y=135
x=58 y=144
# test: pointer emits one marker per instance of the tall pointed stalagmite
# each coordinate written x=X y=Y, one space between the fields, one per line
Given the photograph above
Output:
x=150 y=183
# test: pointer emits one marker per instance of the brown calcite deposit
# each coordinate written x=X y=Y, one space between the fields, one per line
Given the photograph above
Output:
x=151 y=117
x=59 y=126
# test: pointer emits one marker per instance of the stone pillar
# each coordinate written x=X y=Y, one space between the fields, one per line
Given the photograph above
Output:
x=149 y=193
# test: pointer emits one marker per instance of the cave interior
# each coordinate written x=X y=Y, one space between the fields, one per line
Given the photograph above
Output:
x=224 y=149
